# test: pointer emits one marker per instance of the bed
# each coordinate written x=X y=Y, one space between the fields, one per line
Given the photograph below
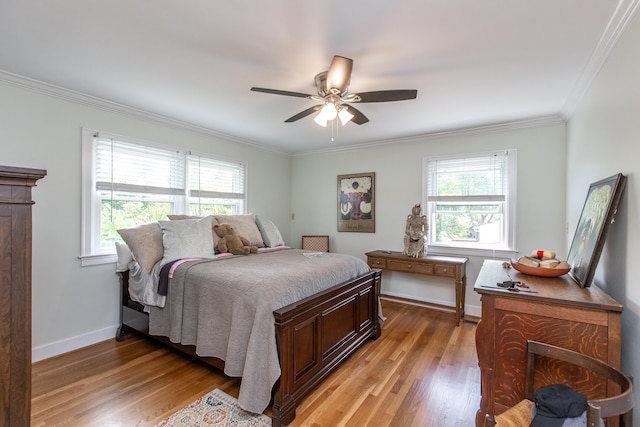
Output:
x=282 y=319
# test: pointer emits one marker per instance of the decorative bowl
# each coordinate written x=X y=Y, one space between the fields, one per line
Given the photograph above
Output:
x=537 y=271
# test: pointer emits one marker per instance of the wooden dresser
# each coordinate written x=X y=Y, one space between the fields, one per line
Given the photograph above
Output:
x=15 y=294
x=560 y=313
x=430 y=265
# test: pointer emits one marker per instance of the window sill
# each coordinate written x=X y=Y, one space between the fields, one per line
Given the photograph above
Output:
x=479 y=252
x=89 y=260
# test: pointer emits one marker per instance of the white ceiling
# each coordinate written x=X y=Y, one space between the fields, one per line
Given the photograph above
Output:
x=474 y=63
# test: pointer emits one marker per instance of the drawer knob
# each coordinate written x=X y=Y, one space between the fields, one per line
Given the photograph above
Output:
x=445 y=270
x=408 y=265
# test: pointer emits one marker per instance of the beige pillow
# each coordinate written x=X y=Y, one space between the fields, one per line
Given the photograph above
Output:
x=145 y=242
x=245 y=226
x=181 y=217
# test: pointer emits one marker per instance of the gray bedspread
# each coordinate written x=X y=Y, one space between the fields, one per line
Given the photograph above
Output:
x=225 y=308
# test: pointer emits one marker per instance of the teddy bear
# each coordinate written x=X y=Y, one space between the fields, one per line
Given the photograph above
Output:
x=232 y=242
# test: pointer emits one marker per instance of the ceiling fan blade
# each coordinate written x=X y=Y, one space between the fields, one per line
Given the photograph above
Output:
x=339 y=74
x=304 y=113
x=280 y=92
x=358 y=117
x=387 y=95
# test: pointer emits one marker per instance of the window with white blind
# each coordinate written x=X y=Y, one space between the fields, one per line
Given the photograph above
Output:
x=470 y=202
x=127 y=182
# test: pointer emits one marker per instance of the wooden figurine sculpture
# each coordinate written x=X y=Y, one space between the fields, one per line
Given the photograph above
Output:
x=415 y=233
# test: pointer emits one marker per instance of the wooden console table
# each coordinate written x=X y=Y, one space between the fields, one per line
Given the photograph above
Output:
x=561 y=313
x=431 y=265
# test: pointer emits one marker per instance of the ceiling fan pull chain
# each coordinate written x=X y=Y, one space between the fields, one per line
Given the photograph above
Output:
x=334 y=126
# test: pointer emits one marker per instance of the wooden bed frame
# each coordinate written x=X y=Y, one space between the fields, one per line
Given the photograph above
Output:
x=313 y=336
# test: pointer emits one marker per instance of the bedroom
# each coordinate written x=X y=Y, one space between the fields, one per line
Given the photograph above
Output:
x=41 y=129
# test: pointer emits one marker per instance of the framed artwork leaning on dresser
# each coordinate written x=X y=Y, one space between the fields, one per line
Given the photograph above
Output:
x=596 y=217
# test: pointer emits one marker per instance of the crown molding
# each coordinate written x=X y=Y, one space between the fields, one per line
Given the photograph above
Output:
x=550 y=120
x=113 y=107
x=625 y=11
x=70 y=95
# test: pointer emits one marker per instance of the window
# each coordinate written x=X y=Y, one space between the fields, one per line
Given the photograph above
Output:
x=470 y=202
x=128 y=182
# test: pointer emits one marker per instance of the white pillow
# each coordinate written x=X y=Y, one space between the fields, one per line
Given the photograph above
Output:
x=214 y=221
x=270 y=233
x=125 y=256
x=188 y=238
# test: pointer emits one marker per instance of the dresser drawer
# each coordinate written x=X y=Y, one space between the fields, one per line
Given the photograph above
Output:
x=445 y=270
x=377 y=262
x=410 y=267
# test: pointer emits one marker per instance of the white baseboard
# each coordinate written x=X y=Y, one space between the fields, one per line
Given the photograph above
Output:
x=64 y=346
x=471 y=310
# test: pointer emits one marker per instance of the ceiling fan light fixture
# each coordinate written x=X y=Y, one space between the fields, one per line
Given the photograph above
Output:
x=344 y=115
x=320 y=119
x=329 y=111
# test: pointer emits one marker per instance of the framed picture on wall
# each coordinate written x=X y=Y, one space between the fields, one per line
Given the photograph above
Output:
x=597 y=214
x=357 y=202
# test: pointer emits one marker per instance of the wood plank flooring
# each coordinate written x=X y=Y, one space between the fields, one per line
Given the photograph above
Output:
x=423 y=371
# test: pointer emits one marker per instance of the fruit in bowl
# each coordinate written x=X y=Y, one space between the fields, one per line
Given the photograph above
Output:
x=540 y=267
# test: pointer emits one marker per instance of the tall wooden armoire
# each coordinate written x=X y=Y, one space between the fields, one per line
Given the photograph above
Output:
x=15 y=294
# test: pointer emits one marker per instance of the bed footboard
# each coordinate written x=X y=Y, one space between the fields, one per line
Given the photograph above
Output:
x=316 y=334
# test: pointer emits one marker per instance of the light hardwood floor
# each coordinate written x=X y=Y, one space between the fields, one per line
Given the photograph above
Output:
x=423 y=371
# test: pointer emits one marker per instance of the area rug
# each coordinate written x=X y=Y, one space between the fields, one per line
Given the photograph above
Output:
x=215 y=408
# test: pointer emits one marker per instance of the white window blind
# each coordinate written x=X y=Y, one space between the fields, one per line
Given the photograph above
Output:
x=468 y=178
x=216 y=179
x=470 y=201
x=126 y=167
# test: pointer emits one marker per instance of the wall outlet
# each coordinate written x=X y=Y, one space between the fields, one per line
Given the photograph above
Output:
x=293 y=216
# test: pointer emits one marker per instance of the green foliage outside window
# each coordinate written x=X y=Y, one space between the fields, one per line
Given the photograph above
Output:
x=461 y=222
x=204 y=209
x=116 y=214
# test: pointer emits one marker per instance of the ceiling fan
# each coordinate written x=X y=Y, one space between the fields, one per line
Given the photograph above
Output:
x=333 y=93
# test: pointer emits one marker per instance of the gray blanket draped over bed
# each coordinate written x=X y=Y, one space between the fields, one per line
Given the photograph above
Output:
x=225 y=308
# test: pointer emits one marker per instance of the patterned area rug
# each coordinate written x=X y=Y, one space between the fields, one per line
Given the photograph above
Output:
x=215 y=408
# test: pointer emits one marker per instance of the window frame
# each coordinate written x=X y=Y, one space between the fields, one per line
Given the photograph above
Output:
x=507 y=247
x=91 y=251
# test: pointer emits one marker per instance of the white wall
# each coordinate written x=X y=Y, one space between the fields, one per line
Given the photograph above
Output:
x=604 y=139
x=541 y=153
x=75 y=306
